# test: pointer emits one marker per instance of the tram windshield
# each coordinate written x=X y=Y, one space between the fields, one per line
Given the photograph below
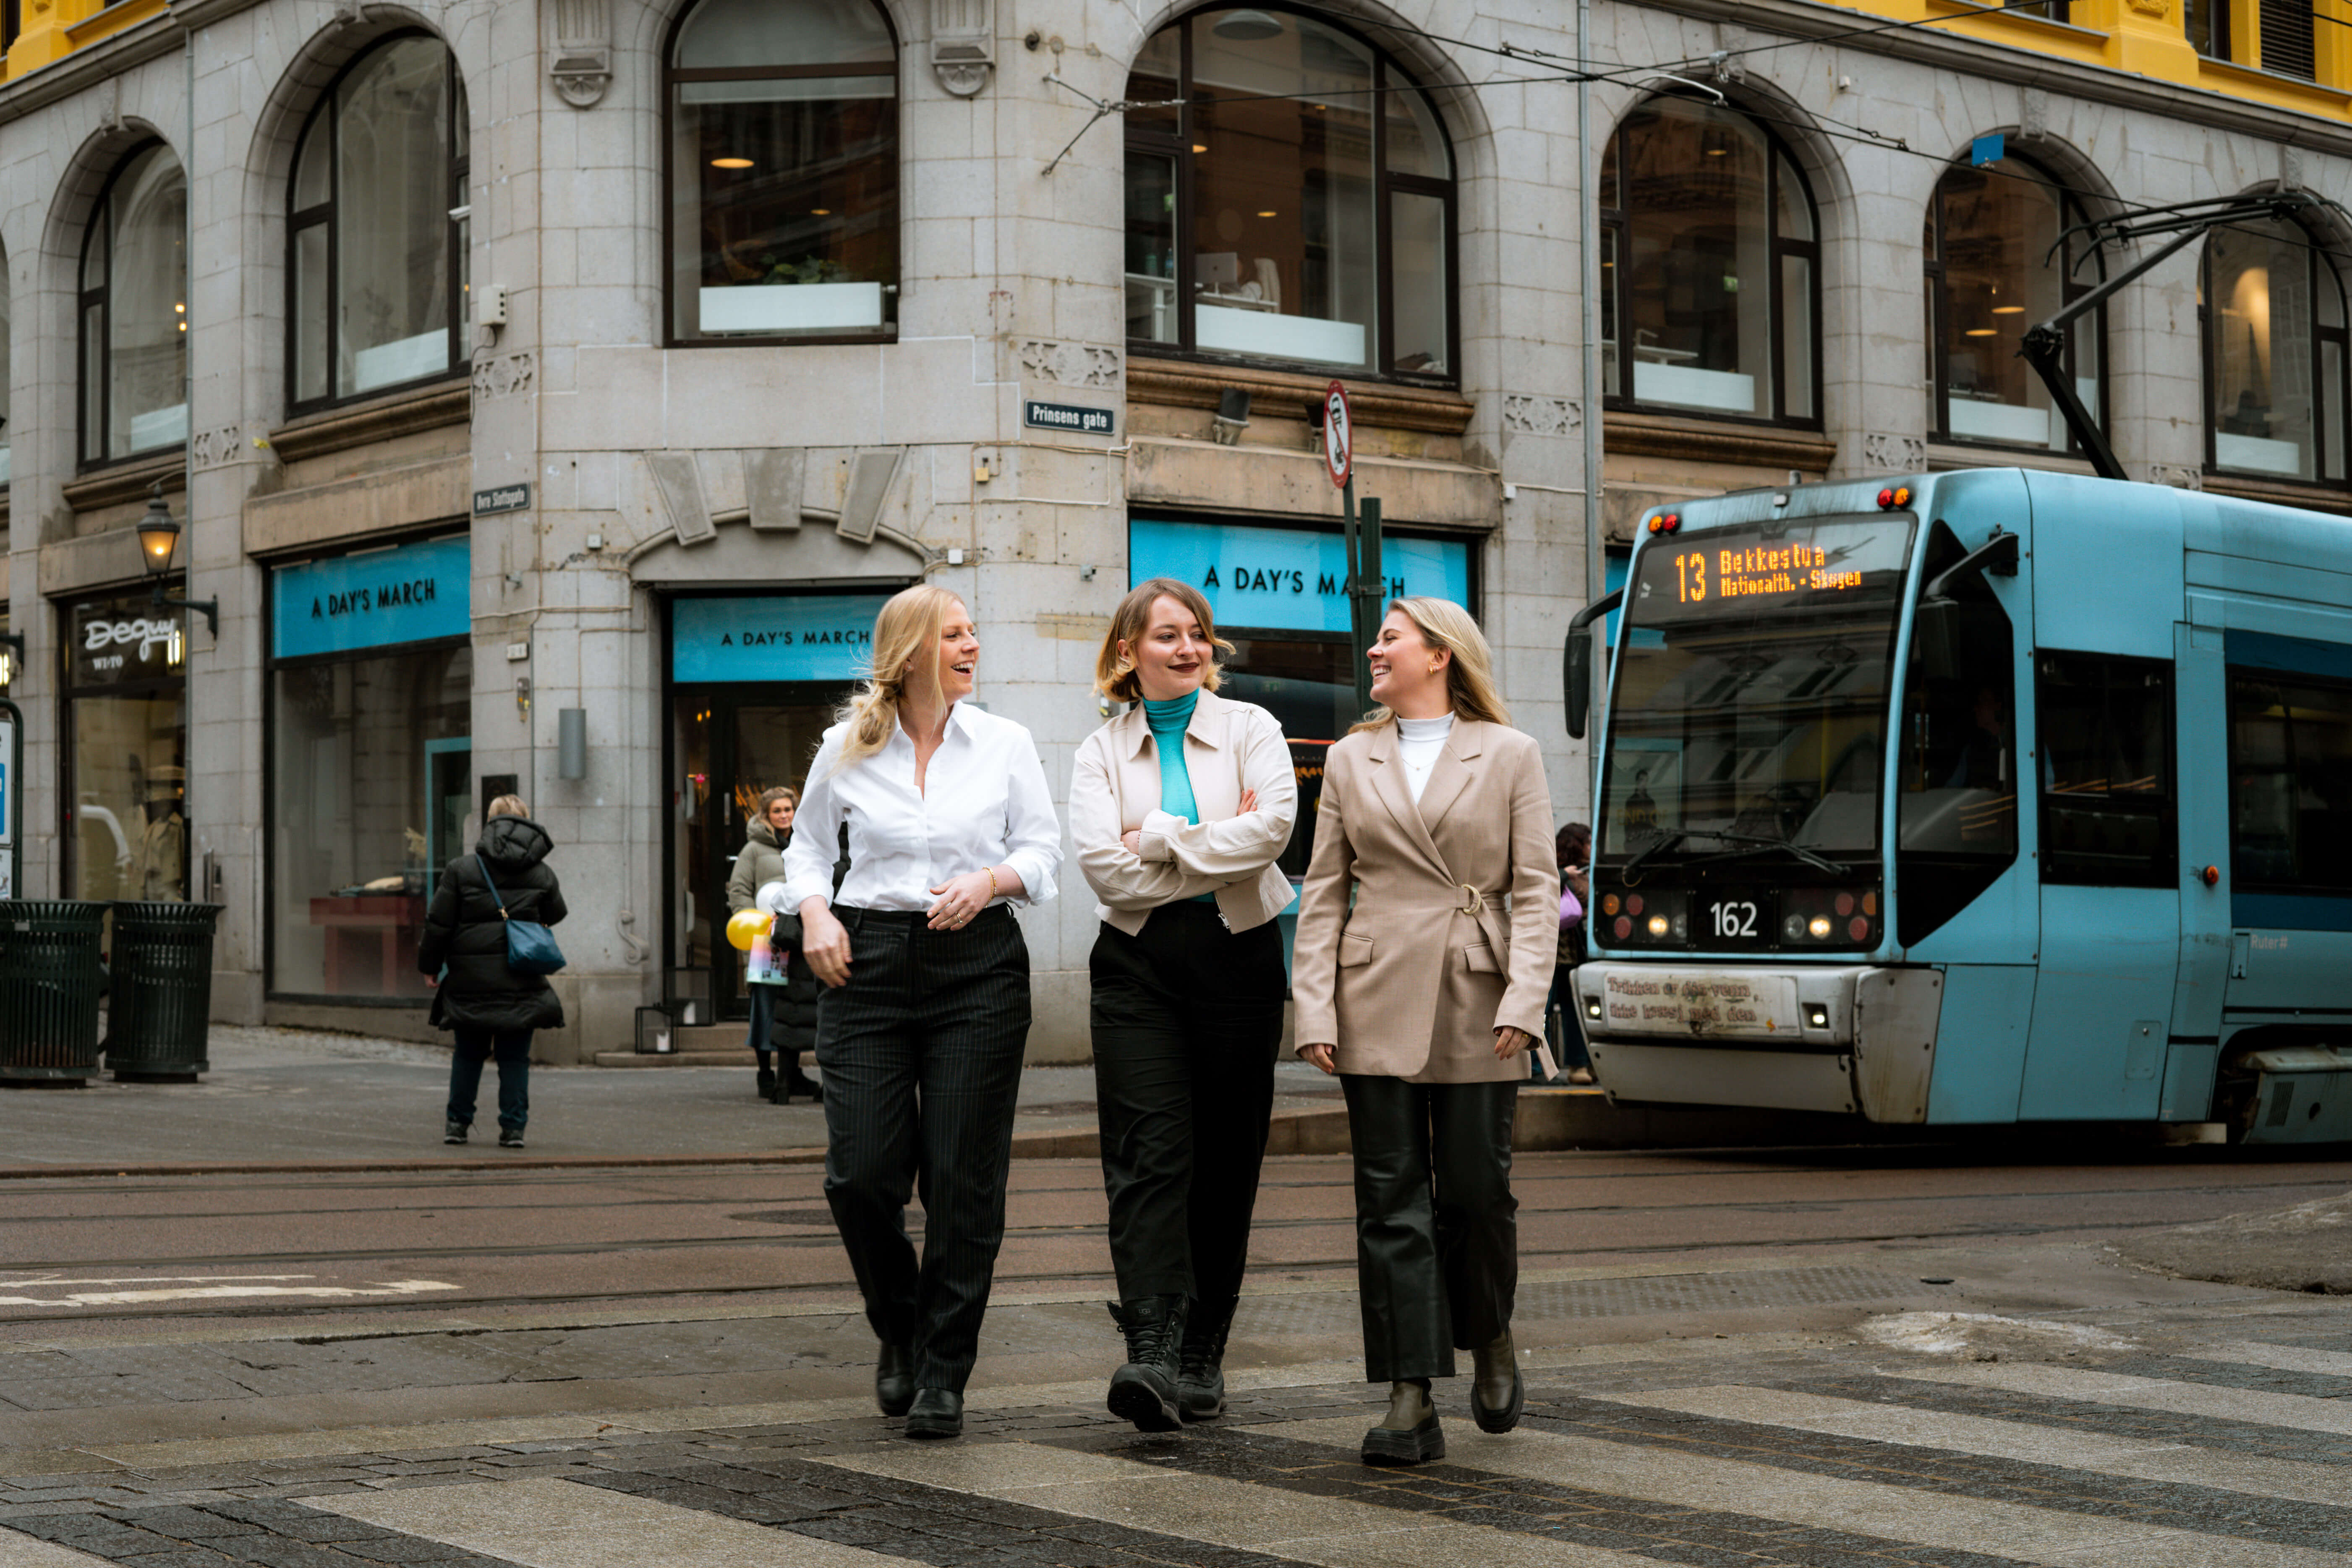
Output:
x=1751 y=694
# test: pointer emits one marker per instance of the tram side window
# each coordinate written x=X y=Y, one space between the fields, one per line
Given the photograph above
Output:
x=2106 y=772
x=2290 y=783
x=1957 y=807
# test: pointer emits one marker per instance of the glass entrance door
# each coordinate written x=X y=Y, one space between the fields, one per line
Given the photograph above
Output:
x=733 y=744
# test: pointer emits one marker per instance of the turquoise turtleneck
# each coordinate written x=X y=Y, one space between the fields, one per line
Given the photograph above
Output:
x=1167 y=720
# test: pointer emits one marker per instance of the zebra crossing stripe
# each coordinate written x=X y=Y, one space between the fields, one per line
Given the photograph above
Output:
x=2278 y=1358
x=554 y=1523
x=1889 y=1512
x=2300 y=1412
x=23 y=1552
x=1332 y=1532
x=1988 y=1438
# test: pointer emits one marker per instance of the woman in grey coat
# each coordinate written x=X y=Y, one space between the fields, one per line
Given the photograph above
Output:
x=784 y=1018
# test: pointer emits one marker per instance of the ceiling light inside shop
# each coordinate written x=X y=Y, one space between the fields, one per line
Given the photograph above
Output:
x=1979 y=332
x=2008 y=309
x=1269 y=213
x=1247 y=27
x=820 y=211
x=1200 y=146
x=730 y=162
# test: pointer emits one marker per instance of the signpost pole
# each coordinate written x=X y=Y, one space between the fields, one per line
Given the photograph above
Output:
x=1365 y=593
x=12 y=791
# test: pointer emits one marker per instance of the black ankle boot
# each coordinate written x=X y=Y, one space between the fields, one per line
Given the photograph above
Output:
x=1144 y=1390
x=767 y=1082
x=795 y=1081
x=1200 y=1369
x=1497 y=1392
x=1410 y=1434
x=894 y=1380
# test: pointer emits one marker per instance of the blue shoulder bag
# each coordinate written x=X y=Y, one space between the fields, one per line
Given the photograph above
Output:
x=531 y=946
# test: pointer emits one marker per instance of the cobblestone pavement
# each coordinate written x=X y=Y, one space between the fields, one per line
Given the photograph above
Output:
x=2208 y=1433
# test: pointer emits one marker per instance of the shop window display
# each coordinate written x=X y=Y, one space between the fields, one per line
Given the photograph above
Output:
x=369 y=800
x=126 y=752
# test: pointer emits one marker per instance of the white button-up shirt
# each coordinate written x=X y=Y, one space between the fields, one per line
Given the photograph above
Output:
x=986 y=805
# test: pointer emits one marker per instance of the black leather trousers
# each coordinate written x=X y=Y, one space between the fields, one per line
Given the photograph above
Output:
x=1437 y=1230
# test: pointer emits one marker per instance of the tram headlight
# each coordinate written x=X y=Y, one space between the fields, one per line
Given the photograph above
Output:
x=1660 y=925
x=1841 y=916
x=1818 y=928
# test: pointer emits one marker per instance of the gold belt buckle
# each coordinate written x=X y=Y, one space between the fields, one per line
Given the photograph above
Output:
x=1475 y=901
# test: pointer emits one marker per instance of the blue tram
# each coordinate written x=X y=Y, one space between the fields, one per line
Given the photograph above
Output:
x=1980 y=797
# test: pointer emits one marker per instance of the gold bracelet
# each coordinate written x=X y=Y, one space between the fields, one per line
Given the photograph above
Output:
x=991 y=884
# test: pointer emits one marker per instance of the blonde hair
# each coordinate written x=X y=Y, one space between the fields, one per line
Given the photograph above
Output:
x=1115 y=671
x=905 y=663
x=768 y=798
x=1469 y=677
x=507 y=806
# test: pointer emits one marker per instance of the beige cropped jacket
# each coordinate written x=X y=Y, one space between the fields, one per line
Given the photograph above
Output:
x=1229 y=747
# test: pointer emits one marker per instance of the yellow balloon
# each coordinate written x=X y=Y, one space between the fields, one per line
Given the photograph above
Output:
x=745 y=927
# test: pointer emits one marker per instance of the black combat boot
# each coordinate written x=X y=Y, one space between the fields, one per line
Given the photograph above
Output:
x=767 y=1084
x=1144 y=1390
x=1200 y=1369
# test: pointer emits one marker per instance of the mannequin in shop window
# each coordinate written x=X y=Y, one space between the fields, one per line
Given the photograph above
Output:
x=160 y=868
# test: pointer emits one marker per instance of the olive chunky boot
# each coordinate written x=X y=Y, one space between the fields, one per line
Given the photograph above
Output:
x=1144 y=1390
x=1498 y=1393
x=1200 y=1369
x=1410 y=1434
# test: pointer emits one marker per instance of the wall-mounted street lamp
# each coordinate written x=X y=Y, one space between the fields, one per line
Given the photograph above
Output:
x=159 y=538
x=12 y=658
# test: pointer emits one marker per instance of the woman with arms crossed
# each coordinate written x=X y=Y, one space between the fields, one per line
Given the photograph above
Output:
x=920 y=1032
x=1179 y=809
x=1421 y=998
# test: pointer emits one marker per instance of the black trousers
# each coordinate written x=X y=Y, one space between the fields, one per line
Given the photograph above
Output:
x=1187 y=1018
x=922 y=1053
x=1437 y=1230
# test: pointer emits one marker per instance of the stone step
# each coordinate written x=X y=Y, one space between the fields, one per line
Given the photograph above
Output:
x=692 y=1045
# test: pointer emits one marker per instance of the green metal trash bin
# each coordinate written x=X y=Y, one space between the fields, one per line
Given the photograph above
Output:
x=158 y=1019
x=50 y=979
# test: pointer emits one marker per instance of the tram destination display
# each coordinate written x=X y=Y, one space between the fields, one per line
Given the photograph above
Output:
x=1761 y=569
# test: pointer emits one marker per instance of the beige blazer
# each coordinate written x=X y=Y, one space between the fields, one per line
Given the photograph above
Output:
x=1115 y=789
x=1415 y=979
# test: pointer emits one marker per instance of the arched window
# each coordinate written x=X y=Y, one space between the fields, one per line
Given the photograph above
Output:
x=2274 y=354
x=1992 y=274
x=377 y=227
x=1298 y=207
x=783 y=172
x=1710 y=295
x=134 y=310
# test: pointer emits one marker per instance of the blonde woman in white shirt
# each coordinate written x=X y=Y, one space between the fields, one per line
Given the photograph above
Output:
x=1179 y=809
x=922 y=1028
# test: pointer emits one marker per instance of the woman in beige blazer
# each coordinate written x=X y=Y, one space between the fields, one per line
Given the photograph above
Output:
x=1420 y=996
x=1178 y=809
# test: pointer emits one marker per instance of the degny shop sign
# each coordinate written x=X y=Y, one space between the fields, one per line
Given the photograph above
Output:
x=1287 y=579
x=410 y=593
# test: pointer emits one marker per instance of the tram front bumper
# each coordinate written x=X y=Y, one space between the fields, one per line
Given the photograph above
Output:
x=1847 y=1039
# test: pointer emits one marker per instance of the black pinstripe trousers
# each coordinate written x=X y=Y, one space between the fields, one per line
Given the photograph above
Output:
x=922 y=1053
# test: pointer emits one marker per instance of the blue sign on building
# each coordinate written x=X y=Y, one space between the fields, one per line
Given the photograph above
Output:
x=800 y=637
x=1287 y=579
x=411 y=593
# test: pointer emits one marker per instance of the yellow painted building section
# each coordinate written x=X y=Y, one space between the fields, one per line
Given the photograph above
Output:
x=56 y=28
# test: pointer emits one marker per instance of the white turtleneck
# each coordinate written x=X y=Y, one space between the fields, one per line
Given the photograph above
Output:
x=1419 y=742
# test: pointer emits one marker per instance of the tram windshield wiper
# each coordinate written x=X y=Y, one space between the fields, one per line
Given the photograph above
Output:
x=1757 y=844
x=1663 y=842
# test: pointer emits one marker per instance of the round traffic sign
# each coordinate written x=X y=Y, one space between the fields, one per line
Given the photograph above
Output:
x=1339 y=435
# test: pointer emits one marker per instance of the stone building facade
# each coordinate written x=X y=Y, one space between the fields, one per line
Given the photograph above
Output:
x=521 y=448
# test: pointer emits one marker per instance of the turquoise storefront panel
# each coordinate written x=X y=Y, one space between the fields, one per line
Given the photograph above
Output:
x=1287 y=579
x=410 y=593
x=798 y=637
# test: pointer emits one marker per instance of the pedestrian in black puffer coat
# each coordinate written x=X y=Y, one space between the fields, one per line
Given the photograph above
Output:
x=489 y=1009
